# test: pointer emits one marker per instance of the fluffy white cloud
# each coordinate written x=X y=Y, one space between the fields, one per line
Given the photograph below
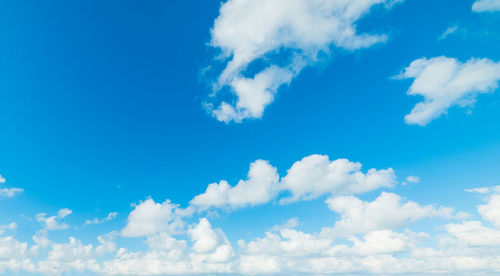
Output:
x=51 y=223
x=445 y=82
x=110 y=216
x=474 y=233
x=316 y=175
x=385 y=241
x=309 y=178
x=491 y=210
x=259 y=188
x=250 y=30
x=149 y=218
x=210 y=244
x=386 y=212
x=292 y=251
x=10 y=248
x=466 y=248
x=364 y=241
x=486 y=5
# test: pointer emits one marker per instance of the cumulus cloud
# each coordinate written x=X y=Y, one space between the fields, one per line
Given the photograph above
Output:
x=473 y=233
x=464 y=248
x=486 y=5
x=110 y=216
x=309 y=178
x=445 y=82
x=316 y=175
x=149 y=218
x=251 y=30
x=9 y=192
x=211 y=244
x=52 y=223
x=386 y=212
x=259 y=188
x=10 y=248
x=491 y=210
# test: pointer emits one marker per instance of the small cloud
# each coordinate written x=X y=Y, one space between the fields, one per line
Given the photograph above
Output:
x=413 y=179
x=289 y=224
x=110 y=216
x=64 y=212
x=9 y=192
x=449 y=31
x=484 y=190
x=10 y=226
x=51 y=223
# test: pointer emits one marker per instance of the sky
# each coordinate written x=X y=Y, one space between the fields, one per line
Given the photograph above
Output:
x=250 y=137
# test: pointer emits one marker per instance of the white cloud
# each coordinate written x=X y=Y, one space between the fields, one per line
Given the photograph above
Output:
x=445 y=82
x=10 y=226
x=316 y=175
x=9 y=192
x=149 y=218
x=110 y=216
x=474 y=233
x=259 y=188
x=491 y=210
x=486 y=5
x=385 y=241
x=309 y=178
x=386 y=212
x=10 y=248
x=165 y=242
x=251 y=30
x=365 y=240
x=51 y=223
x=413 y=179
x=484 y=190
x=211 y=244
x=449 y=31
x=465 y=248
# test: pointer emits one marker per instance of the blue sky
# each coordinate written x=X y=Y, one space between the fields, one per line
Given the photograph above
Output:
x=111 y=108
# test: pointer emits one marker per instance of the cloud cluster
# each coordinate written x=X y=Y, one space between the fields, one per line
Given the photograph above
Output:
x=149 y=218
x=307 y=179
x=385 y=212
x=367 y=239
x=445 y=82
x=296 y=31
x=52 y=223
